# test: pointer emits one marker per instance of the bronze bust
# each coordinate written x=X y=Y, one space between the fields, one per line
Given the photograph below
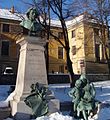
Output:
x=30 y=23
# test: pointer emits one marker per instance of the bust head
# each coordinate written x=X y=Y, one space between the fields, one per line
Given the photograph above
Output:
x=31 y=24
x=32 y=14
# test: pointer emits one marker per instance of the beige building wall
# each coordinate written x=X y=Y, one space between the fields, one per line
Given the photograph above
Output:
x=77 y=54
x=11 y=36
x=82 y=40
x=94 y=65
x=89 y=43
x=83 y=49
x=56 y=65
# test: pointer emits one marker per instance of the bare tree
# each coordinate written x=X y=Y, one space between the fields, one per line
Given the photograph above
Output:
x=50 y=9
x=102 y=15
x=99 y=11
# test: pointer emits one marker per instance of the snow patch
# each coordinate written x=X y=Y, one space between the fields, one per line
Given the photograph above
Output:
x=6 y=14
x=55 y=116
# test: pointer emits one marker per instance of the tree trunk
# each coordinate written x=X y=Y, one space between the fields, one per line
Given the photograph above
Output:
x=70 y=69
x=108 y=63
x=107 y=58
x=47 y=58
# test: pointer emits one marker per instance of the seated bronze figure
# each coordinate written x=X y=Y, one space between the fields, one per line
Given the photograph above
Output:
x=83 y=95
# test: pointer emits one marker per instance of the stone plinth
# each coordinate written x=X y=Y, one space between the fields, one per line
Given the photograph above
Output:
x=31 y=69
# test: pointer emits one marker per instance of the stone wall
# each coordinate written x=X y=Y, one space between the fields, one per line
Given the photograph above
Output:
x=98 y=77
x=56 y=79
x=64 y=78
x=96 y=68
x=7 y=79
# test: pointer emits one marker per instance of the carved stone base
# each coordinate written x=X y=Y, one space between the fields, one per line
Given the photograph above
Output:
x=54 y=106
x=31 y=69
x=23 y=111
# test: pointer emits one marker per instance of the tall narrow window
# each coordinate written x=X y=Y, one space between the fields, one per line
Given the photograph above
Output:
x=73 y=50
x=72 y=33
x=60 y=52
x=60 y=35
x=61 y=68
x=5 y=48
x=97 y=52
x=5 y=28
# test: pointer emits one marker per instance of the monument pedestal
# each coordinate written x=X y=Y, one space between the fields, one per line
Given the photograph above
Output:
x=31 y=69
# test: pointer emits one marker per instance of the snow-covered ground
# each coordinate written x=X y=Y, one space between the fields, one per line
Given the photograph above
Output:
x=102 y=94
x=61 y=92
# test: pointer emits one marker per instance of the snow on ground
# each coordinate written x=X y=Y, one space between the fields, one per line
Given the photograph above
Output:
x=3 y=95
x=55 y=116
x=4 y=92
x=61 y=90
x=103 y=91
x=102 y=94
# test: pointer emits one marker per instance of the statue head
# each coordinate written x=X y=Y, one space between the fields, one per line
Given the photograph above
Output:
x=31 y=23
x=83 y=78
x=32 y=14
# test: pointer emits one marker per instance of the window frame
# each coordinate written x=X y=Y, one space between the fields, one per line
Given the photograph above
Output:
x=5 y=49
x=73 y=33
x=60 y=53
x=61 y=68
x=5 y=28
x=73 y=50
x=97 y=52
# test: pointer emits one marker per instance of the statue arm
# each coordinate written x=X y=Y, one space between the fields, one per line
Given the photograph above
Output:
x=93 y=90
x=28 y=12
x=71 y=93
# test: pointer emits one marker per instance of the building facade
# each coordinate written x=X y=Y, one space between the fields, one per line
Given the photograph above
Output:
x=9 y=32
x=86 y=50
x=57 y=54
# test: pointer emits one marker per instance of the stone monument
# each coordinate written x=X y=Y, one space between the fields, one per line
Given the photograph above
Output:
x=31 y=68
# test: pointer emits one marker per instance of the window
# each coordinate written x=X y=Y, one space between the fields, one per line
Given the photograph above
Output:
x=73 y=50
x=61 y=69
x=73 y=33
x=65 y=67
x=5 y=28
x=60 y=52
x=97 y=52
x=60 y=35
x=5 y=48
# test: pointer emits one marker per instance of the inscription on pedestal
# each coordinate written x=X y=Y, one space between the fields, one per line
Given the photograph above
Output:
x=36 y=65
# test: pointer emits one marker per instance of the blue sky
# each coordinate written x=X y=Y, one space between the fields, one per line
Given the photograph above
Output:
x=19 y=6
